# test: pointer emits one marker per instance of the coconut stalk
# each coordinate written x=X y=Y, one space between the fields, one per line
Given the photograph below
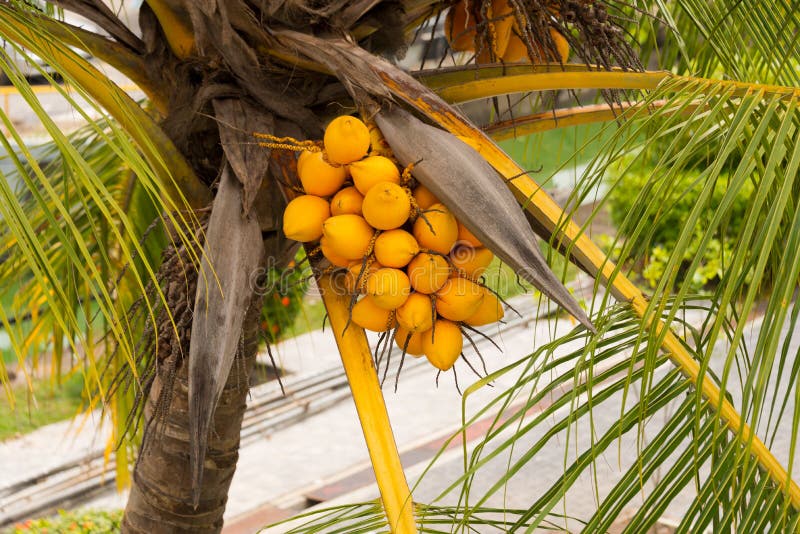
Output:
x=368 y=398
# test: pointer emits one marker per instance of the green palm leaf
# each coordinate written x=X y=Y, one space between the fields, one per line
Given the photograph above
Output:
x=84 y=218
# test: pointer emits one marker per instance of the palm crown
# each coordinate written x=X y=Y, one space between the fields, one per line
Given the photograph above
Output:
x=85 y=233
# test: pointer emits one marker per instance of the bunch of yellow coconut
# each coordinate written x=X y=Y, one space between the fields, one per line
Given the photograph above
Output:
x=504 y=39
x=412 y=266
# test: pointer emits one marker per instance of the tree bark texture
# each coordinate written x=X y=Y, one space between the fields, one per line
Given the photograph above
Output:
x=161 y=496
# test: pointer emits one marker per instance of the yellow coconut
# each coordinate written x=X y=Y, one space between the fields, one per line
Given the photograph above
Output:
x=370 y=316
x=490 y=311
x=504 y=20
x=352 y=282
x=348 y=200
x=388 y=287
x=438 y=230
x=472 y=261
x=412 y=343
x=395 y=248
x=443 y=344
x=386 y=206
x=517 y=51
x=465 y=237
x=346 y=140
x=424 y=197
x=331 y=254
x=562 y=45
x=319 y=178
x=348 y=235
x=304 y=216
x=458 y=299
x=416 y=313
x=372 y=170
x=302 y=158
x=459 y=27
x=428 y=272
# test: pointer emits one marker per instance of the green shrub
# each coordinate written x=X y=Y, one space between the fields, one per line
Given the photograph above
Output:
x=73 y=522
x=284 y=298
x=665 y=219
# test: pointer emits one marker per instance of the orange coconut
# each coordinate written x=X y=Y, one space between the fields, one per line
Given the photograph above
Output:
x=347 y=200
x=352 y=282
x=424 y=197
x=388 y=287
x=465 y=237
x=348 y=235
x=395 y=248
x=412 y=344
x=490 y=311
x=304 y=217
x=386 y=206
x=443 y=344
x=458 y=299
x=319 y=178
x=302 y=158
x=372 y=170
x=346 y=140
x=428 y=272
x=416 y=313
x=438 y=230
x=472 y=261
x=370 y=316
x=331 y=254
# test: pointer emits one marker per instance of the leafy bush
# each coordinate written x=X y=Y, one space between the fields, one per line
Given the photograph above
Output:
x=284 y=298
x=665 y=221
x=73 y=522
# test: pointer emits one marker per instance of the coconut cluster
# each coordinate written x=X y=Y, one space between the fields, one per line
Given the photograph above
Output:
x=412 y=268
x=498 y=37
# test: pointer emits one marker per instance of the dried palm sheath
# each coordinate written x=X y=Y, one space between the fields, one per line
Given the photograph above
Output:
x=232 y=253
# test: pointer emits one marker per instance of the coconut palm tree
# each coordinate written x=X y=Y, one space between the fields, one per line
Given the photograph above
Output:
x=135 y=239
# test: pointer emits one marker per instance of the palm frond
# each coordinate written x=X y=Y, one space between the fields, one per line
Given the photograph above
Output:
x=676 y=453
x=754 y=126
x=164 y=161
x=749 y=40
x=81 y=239
x=76 y=215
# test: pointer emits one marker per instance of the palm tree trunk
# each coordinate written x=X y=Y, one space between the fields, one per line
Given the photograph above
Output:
x=161 y=495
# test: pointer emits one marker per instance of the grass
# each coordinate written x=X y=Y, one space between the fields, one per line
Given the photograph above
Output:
x=546 y=152
x=50 y=403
